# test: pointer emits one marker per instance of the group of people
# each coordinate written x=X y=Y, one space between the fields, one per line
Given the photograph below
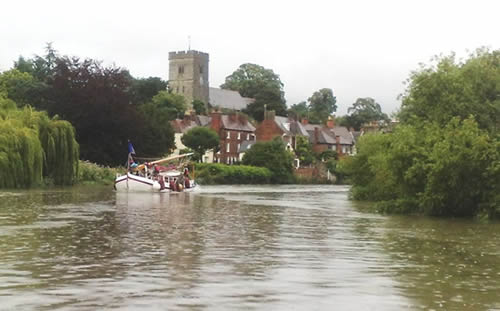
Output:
x=177 y=184
x=181 y=183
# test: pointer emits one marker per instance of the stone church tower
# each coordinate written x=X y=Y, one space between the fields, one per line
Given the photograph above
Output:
x=188 y=75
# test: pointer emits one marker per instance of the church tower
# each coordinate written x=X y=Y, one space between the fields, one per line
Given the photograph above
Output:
x=188 y=75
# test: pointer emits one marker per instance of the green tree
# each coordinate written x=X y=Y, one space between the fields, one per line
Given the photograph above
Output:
x=173 y=104
x=143 y=90
x=299 y=111
x=22 y=87
x=261 y=84
x=451 y=170
x=34 y=146
x=199 y=107
x=274 y=156
x=200 y=139
x=304 y=151
x=322 y=104
x=362 y=111
x=449 y=88
x=40 y=67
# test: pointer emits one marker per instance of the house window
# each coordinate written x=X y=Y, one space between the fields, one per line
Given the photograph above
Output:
x=227 y=160
x=248 y=136
x=239 y=135
x=228 y=135
x=181 y=69
x=238 y=147
x=227 y=147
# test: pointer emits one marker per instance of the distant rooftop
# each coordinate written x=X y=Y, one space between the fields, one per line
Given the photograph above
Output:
x=228 y=99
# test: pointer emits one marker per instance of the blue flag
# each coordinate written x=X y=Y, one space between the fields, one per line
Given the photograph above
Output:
x=130 y=148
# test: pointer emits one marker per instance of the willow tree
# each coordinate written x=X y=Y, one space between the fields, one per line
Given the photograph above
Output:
x=33 y=146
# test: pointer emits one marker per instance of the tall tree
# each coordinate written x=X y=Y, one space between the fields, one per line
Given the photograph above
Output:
x=143 y=90
x=299 y=111
x=322 y=104
x=95 y=100
x=23 y=88
x=172 y=104
x=261 y=84
x=362 y=111
x=449 y=88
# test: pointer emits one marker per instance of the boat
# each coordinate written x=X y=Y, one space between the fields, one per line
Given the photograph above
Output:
x=152 y=177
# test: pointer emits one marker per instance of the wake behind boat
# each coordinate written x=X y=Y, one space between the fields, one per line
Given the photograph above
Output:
x=152 y=177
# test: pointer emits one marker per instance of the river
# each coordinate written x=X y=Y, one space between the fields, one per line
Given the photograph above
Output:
x=237 y=247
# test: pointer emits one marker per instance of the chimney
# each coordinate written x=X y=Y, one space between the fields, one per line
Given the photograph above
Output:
x=316 y=135
x=330 y=123
x=216 y=122
x=270 y=115
x=304 y=121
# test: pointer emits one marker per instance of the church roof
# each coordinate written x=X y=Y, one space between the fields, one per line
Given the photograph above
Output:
x=228 y=99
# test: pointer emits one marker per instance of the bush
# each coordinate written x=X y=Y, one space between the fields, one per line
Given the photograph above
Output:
x=444 y=171
x=274 y=156
x=214 y=173
x=91 y=173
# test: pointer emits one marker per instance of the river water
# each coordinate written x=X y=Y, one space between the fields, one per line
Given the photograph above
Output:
x=237 y=247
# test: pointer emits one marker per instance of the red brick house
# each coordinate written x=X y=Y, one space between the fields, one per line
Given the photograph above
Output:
x=275 y=126
x=233 y=130
x=330 y=137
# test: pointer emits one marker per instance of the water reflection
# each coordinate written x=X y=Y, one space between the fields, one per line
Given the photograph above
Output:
x=279 y=248
x=446 y=264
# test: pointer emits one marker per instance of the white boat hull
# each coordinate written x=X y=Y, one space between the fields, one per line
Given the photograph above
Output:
x=134 y=183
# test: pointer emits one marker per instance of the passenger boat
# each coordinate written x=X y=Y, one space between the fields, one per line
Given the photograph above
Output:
x=151 y=177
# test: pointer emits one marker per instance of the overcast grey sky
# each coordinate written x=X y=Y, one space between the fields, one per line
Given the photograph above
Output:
x=357 y=48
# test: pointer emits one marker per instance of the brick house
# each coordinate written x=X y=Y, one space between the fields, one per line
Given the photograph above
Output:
x=275 y=126
x=330 y=137
x=233 y=130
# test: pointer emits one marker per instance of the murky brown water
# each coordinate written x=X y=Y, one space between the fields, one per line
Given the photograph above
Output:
x=226 y=248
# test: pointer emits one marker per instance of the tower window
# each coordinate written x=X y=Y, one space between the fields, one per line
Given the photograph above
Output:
x=181 y=69
x=201 y=68
x=183 y=89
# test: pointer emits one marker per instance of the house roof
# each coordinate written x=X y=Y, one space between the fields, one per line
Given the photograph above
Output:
x=237 y=123
x=346 y=137
x=228 y=99
x=289 y=126
x=328 y=136
x=182 y=126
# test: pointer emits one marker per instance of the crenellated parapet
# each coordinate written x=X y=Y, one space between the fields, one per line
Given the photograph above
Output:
x=185 y=54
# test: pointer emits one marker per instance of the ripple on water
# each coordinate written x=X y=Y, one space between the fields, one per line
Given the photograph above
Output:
x=244 y=247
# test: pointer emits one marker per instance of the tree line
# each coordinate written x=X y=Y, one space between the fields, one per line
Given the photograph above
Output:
x=444 y=157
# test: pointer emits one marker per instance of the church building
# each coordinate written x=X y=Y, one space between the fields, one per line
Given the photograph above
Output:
x=189 y=76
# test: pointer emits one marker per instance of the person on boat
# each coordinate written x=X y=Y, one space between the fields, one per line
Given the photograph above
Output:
x=161 y=182
x=171 y=185
x=156 y=171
